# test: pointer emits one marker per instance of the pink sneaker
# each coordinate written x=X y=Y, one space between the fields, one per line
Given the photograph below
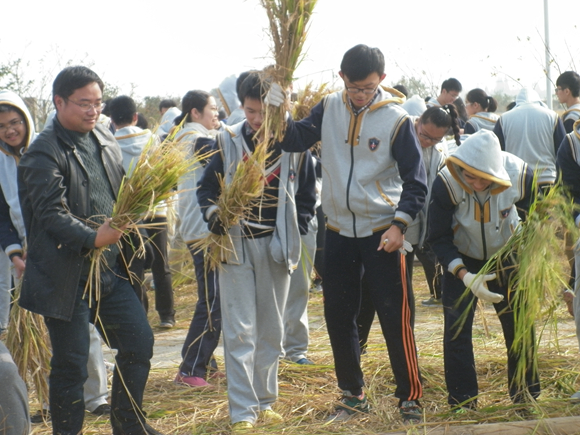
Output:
x=192 y=381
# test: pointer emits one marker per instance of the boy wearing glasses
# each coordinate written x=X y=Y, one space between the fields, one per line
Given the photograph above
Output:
x=376 y=182
x=568 y=93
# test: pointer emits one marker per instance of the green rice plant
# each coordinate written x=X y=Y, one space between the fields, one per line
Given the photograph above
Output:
x=532 y=258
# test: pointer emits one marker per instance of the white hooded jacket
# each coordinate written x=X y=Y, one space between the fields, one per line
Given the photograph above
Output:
x=8 y=167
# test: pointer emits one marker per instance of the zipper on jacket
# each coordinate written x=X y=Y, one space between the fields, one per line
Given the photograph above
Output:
x=481 y=224
x=351 y=170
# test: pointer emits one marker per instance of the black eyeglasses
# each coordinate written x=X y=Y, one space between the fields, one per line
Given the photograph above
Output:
x=12 y=124
x=365 y=91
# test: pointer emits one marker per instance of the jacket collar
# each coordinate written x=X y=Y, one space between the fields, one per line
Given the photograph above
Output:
x=100 y=132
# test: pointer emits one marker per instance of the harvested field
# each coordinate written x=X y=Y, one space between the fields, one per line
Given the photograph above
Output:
x=307 y=393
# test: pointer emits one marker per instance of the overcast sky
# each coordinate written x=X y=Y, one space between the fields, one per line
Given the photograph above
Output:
x=169 y=47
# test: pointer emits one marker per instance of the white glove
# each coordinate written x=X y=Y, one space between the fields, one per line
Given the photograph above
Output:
x=275 y=96
x=407 y=247
x=478 y=286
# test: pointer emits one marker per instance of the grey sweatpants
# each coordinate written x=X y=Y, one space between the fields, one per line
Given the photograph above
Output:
x=253 y=297
x=295 y=342
x=14 y=417
x=5 y=286
x=95 y=388
x=576 y=300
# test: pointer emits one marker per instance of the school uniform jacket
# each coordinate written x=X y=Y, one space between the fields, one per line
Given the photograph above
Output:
x=372 y=167
x=434 y=158
x=532 y=132
x=192 y=227
x=461 y=223
x=569 y=165
x=296 y=173
x=570 y=116
x=480 y=120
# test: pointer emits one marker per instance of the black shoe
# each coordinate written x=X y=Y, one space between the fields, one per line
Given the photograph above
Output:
x=145 y=429
x=40 y=416
x=150 y=431
x=167 y=322
x=103 y=409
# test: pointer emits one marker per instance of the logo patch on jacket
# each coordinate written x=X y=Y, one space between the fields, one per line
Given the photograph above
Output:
x=374 y=143
x=505 y=213
x=292 y=175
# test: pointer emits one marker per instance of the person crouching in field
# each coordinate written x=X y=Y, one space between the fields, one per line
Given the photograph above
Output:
x=472 y=215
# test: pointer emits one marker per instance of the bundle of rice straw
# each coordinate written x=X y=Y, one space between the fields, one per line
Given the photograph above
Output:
x=307 y=99
x=151 y=181
x=237 y=199
x=288 y=28
x=288 y=21
x=535 y=288
x=29 y=344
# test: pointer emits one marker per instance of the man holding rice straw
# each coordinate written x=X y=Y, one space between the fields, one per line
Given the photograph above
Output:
x=254 y=281
x=375 y=186
x=68 y=182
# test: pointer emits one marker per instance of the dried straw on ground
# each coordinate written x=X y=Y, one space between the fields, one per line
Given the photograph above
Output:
x=308 y=393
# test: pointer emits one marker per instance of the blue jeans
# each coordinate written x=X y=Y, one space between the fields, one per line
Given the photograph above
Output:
x=123 y=325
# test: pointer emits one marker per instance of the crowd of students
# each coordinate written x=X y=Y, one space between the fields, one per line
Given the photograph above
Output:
x=394 y=178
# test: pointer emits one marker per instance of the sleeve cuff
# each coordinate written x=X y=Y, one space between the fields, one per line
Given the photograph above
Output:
x=15 y=248
x=90 y=241
x=403 y=217
x=455 y=266
x=210 y=210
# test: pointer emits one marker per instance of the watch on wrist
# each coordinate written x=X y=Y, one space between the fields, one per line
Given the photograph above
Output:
x=400 y=225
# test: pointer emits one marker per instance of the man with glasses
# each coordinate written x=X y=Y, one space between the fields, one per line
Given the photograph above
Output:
x=68 y=181
x=450 y=90
x=376 y=185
